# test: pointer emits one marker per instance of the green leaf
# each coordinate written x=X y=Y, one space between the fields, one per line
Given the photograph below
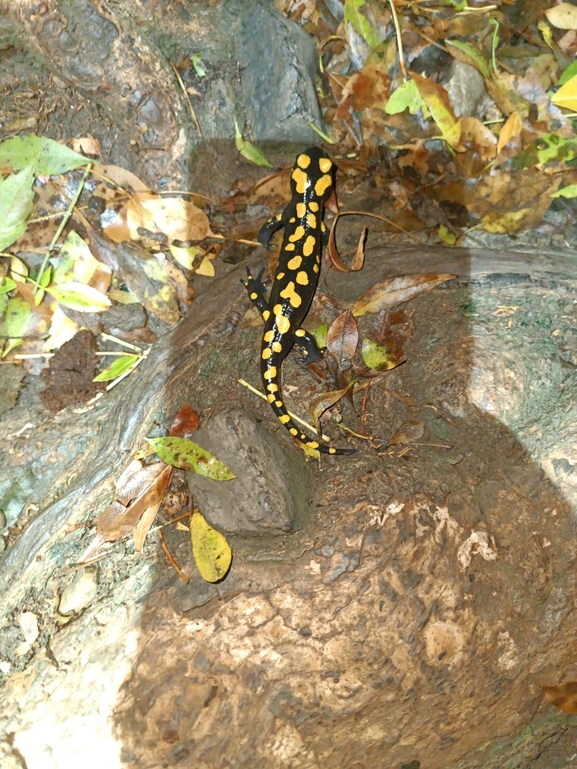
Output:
x=248 y=150
x=120 y=366
x=320 y=335
x=406 y=96
x=360 y=23
x=180 y=452
x=7 y=285
x=212 y=553
x=447 y=236
x=568 y=73
x=15 y=323
x=52 y=158
x=377 y=356
x=196 y=62
x=473 y=54
x=16 y=196
x=79 y=297
x=570 y=191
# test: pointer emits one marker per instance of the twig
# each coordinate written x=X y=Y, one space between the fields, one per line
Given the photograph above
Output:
x=187 y=97
x=171 y=560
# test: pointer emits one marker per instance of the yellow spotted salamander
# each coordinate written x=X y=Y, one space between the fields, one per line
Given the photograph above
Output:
x=295 y=282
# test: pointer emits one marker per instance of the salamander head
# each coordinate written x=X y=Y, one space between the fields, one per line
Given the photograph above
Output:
x=312 y=176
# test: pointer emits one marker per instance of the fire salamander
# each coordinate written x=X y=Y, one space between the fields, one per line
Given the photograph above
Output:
x=295 y=282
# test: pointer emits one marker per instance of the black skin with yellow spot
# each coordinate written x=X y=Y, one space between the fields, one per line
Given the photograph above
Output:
x=295 y=281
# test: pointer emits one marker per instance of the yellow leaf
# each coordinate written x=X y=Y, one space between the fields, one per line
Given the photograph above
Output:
x=206 y=268
x=211 y=551
x=566 y=96
x=62 y=329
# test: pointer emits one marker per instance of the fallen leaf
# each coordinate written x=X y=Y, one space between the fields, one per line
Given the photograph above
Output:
x=118 y=518
x=212 y=553
x=185 y=423
x=566 y=96
x=248 y=150
x=563 y=696
x=379 y=357
x=343 y=339
x=510 y=130
x=394 y=291
x=409 y=432
x=324 y=401
x=180 y=452
x=562 y=16
x=437 y=100
x=79 y=297
x=122 y=365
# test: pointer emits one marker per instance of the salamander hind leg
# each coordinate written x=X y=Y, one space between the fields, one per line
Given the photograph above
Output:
x=310 y=350
x=256 y=291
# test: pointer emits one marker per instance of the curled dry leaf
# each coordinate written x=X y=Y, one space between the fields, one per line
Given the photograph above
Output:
x=563 y=16
x=563 y=696
x=394 y=291
x=324 y=401
x=332 y=252
x=119 y=518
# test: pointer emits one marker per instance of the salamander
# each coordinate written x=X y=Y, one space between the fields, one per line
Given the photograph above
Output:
x=295 y=281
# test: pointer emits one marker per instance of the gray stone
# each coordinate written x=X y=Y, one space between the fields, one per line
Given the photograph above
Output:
x=466 y=89
x=271 y=487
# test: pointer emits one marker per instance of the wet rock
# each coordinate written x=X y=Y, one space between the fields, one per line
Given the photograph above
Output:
x=272 y=484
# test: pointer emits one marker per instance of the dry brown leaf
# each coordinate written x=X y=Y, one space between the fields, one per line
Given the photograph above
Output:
x=117 y=519
x=324 y=401
x=343 y=339
x=409 y=432
x=476 y=136
x=563 y=696
x=185 y=423
x=395 y=291
x=510 y=130
x=368 y=88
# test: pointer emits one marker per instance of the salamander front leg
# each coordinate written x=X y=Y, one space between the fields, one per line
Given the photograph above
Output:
x=310 y=351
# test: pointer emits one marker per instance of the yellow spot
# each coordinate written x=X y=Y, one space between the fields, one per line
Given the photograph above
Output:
x=323 y=227
x=290 y=294
x=293 y=431
x=270 y=373
x=325 y=165
x=323 y=184
x=301 y=210
x=278 y=404
x=309 y=245
x=302 y=278
x=300 y=332
x=312 y=444
x=297 y=234
x=313 y=205
x=315 y=268
x=268 y=337
x=284 y=418
x=266 y=353
x=300 y=179
x=292 y=220
x=303 y=161
x=290 y=247
x=270 y=398
x=266 y=314
x=280 y=275
x=295 y=263
x=276 y=346
x=272 y=387
x=332 y=451
x=312 y=221
x=254 y=296
x=277 y=309
x=283 y=323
